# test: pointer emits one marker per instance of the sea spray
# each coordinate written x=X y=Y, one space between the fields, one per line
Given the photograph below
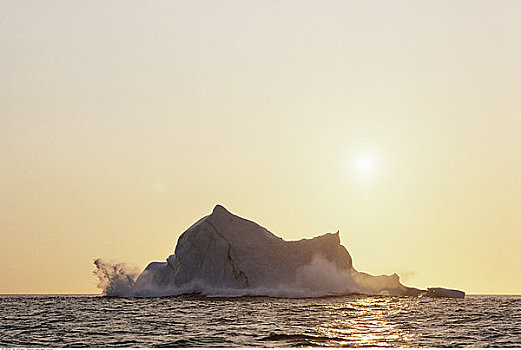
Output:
x=115 y=278
x=319 y=278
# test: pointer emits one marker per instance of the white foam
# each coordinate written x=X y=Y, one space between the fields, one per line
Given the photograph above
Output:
x=320 y=278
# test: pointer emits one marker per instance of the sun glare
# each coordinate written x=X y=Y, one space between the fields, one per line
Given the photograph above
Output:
x=363 y=164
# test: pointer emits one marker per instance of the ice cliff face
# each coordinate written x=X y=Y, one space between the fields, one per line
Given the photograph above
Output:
x=223 y=254
x=225 y=250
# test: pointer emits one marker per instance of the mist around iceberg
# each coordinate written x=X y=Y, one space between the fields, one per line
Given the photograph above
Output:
x=319 y=278
x=224 y=255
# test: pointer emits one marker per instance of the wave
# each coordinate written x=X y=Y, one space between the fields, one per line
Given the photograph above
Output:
x=301 y=339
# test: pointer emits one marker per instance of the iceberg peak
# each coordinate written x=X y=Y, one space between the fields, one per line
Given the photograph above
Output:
x=220 y=210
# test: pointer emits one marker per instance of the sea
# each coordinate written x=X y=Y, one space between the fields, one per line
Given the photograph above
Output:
x=38 y=321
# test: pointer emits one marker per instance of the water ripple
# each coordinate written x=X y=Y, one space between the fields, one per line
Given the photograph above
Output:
x=194 y=321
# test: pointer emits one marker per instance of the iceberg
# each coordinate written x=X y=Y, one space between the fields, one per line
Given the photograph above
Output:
x=438 y=292
x=223 y=254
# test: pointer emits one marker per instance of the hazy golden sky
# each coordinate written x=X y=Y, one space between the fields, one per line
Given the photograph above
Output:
x=122 y=123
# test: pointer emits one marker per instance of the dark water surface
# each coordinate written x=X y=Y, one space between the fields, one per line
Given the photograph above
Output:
x=193 y=321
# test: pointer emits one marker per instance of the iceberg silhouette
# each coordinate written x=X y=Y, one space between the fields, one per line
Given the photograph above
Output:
x=223 y=254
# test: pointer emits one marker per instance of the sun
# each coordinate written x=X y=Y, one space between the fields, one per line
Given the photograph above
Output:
x=364 y=164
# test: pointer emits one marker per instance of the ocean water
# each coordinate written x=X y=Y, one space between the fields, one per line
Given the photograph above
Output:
x=195 y=321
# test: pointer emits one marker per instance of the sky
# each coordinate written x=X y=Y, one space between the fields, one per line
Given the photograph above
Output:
x=396 y=122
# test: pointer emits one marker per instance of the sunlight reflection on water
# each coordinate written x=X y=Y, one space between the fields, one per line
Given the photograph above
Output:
x=364 y=323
